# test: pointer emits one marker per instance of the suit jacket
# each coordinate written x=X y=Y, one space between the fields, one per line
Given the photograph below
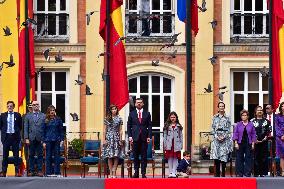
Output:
x=33 y=126
x=135 y=128
x=4 y=125
x=272 y=125
x=183 y=165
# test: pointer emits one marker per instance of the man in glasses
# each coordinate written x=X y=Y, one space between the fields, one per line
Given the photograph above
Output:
x=10 y=125
x=33 y=135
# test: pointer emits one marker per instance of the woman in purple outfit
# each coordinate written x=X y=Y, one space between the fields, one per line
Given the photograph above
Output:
x=279 y=129
x=244 y=138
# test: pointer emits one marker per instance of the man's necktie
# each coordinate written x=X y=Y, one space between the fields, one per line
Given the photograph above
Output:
x=139 y=116
x=10 y=122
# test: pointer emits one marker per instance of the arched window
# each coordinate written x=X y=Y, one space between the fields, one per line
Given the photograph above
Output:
x=157 y=93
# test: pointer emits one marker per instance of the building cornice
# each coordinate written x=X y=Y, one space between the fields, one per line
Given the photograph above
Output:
x=262 y=48
x=63 y=47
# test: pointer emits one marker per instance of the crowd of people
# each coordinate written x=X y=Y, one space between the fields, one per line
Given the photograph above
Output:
x=39 y=131
x=45 y=132
x=250 y=139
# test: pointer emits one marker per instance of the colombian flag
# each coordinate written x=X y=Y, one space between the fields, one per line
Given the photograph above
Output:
x=277 y=51
x=118 y=75
x=181 y=11
x=13 y=79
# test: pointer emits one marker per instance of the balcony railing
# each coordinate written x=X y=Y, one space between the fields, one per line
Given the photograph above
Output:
x=52 y=27
x=249 y=25
x=149 y=26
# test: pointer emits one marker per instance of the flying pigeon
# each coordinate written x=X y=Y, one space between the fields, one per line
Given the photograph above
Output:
x=173 y=54
x=29 y=21
x=208 y=89
x=88 y=16
x=79 y=81
x=155 y=62
x=40 y=70
x=223 y=87
x=221 y=96
x=75 y=116
x=58 y=57
x=88 y=90
x=7 y=31
x=264 y=71
x=213 y=59
x=1 y=68
x=213 y=24
x=11 y=63
x=46 y=53
x=203 y=6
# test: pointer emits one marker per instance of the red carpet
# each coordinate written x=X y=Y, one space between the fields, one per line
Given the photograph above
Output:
x=192 y=183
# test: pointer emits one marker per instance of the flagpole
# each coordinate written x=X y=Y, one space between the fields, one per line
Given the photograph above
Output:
x=107 y=54
x=270 y=87
x=188 y=72
x=27 y=55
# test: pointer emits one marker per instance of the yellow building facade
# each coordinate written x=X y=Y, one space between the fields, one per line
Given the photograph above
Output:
x=163 y=87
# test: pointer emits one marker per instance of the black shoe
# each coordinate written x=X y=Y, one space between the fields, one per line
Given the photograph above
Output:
x=18 y=175
x=2 y=174
x=144 y=176
x=40 y=174
x=136 y=175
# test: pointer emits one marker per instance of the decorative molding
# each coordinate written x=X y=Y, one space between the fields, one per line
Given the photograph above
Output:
x=63 y=47
x=242 y=49
x=154 y=48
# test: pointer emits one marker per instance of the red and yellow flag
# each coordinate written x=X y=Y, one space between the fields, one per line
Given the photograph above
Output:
x=13 y=79
x=277 y=51
x=118 y=75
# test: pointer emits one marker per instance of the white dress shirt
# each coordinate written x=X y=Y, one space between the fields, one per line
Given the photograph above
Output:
x=141 y=110
x=271 y=122
x=10 y=123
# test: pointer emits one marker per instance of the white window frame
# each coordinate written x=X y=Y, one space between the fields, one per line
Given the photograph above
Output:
x=57 y=12
x=139 y=22
x=245 y=92
x=54 y=92
x=253 y=12
x=149 y=94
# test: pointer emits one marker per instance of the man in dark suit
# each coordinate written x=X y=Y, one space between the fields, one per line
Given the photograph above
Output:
x=10 y=125
x=139 y=130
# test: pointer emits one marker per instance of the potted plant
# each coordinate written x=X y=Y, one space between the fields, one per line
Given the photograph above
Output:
x=75 y=150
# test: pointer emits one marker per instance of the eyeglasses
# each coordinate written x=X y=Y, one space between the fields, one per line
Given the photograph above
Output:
x=35 y=104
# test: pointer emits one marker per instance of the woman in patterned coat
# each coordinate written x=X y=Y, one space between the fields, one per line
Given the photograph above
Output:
x=112 y=149
x=221 y=146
